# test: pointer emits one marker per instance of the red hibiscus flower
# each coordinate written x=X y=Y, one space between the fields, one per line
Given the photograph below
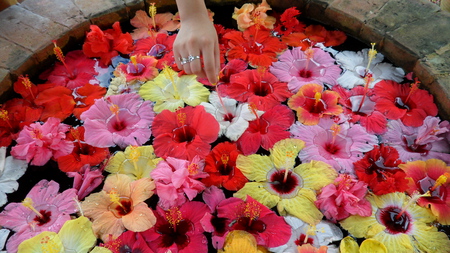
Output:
x=401 y=101
x=185 y=133
x=74 y=71
x=315 y=34
x=256 y=87
x=159 y=46
x=288 y=22
x=107 y=44
x=140 y=68
x=379 y=169
x=221 y=167
x=26 y=88
x=128 y=241
x=57 y=102
x=266 y=130
x=255 y=45
x=82 y=153
x=365 y=114
x=85 y=97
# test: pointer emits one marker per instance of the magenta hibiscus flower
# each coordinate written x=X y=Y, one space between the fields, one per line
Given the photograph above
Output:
x=185 y=133
x=337 y=145
x=121 y=120
x=44 y=209
x=298 y=67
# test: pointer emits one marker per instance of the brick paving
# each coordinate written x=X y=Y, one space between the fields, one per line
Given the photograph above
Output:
x=413 y=34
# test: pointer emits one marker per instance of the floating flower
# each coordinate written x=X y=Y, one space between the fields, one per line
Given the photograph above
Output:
x=118 y=120
x=313 y=35
x=119 y=206
x=128 y=241
x=322 y=234
x=400 y=101
x=136 y=162
x=169 y=91
x=255 y=218
x=266 y=130
x=57 y=102
x=75 y=236
x=241 y=241
x=185 y=133
x=155 y=23
x=255 y=46
x=250 y=14
x=349 y=245
x=312 y=103
x=277 y=183
x=399 y=224
x=431 y=140
x=44 y=209
x=379 y=169
x=139 y=69
x=345 y=197
x=357 y=64
x=10 y=171
x=177 y=181
x=258 y=87
x=233 y=117
x=85 y=97
x=337 y=145
x=221 y=167
x=86 y=180
x=430 y=176
x=107 y=44
x=298 y=67
x=4 y=233
x=39 y=143
x=289 y=22
x=178 y=229
x=159 y=46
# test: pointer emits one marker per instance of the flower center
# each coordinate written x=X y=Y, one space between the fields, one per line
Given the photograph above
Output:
x=175 y=234
x=394 y=220
x=228 y=117
x=135 y=69
x=121 y=206
x=399 y=103
x=304 y=240
x=284 y=183
x=253 y=47
x=157 y=51
x=305 y=73
x=411 y=146
x=261 y=88
x=44 y=218
x=250 y=225
x=184 y=133
x=436 y=190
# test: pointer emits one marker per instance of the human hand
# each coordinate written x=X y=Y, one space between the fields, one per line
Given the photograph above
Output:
x=198 y=37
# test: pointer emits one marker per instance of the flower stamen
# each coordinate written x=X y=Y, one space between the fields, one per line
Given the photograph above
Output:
x=442 y=179
x=60 y=56
x=28 y=203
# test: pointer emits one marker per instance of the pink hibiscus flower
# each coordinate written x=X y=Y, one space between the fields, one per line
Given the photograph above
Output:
x=431 y=140
x=255 y=218
x=337 y=145
x=176 y=180
x=39 y=143
x=185 y=133
x=257 y=87
x=297 y=68
x=178 y=229
x=121 y=120
x=44 y=209
x=344 y=198
x=86 y=180
x=365 y=114
x=266 y=130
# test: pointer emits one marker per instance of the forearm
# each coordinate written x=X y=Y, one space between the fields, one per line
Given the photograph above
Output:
x=191 y=9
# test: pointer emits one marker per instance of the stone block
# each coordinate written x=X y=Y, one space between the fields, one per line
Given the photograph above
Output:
x=92 y=9
x=63 y=12
x=28 y=29
x=5 y=81
x=12 y=56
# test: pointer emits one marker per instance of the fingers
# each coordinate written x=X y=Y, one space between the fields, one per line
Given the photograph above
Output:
x=211 y=62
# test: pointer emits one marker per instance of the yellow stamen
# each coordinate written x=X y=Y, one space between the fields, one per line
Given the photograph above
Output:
x=414 y=88
x=60 y=56
x=115 y=198
x=416 y=195
x=28 y=203
x=134 y=157
x=193 y=169
x=27 y=83
x=152 y=12
x=174 y=216
x=335 y=130
x=181 y=117
x=4 y=115
x=168 y=73
x=317 y=97
x=309 y=53
x=442 y=179
x=252 y=107
x=133 y=60
x=225 y=158
x=49 y=245
x=372 y=53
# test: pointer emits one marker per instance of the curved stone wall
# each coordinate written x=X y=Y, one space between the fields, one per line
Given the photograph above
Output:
x=413 y=34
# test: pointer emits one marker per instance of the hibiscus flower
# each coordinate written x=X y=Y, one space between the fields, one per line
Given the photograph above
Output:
x=298 y=67
x=255 y=46
x=74 y=70
x=289 y=23
x=432 y=177
x=178 y=229
x=57 y=102
x=266 y=130
x=379 y=169
x=140 y=68
x=44 y=209
x=345 y=197
x=258 y=87
x=170 y=91
x=119 y=206
x=255 y=218
x=250 y=14
x=313 y=35
x=221 y=167
x=400 y=226
x=277 y=183
x=241 y=241
x=128 y=241
x=118 y=120
x=337 y=145
x=86 y=180
x=85 y=97
x=233 y=117
x=177 y=181
x=155 y=23
x=431 y=140
x=400 y=101
x=159 y=46
x=10 y=170
x=312 y=103
x=185 y=133
x=39 y=143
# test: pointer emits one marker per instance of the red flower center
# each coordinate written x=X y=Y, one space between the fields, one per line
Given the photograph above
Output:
x=225 y=169
x=305 y=73
x=261 y=89
x=314 y=106
x=332 y=148
x=394 y=221
x=301 y=240
x=400 y=104
x=411 y=146
x=228 y=117
x=250 y=225
x=184 y=133
x=263 y=126
x=41 y=220
x=175 y=234
x=122 y=209
x=426 y=184
x=252 y=47
x=284 y=184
